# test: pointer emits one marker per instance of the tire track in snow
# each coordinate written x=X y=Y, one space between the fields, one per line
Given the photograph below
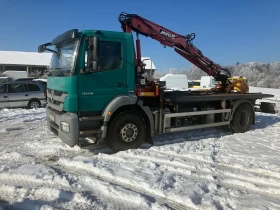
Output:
x=171 y=167
x=214 y=153
x=252 y=178
x=189 y=171
x=81 y=169
x=51 y=190
x=239 y=178
x=257 y=171
x=13 y=184
x=30 y=183
x=174 y=167
x=104 y=192
x=261 y=181
x=14 y=178
x=52 y=197
x=194 y=171
x=250 y=187
x=234 y=171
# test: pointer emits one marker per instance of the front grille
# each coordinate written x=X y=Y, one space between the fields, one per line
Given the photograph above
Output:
x=56 y=99
x=56 y=92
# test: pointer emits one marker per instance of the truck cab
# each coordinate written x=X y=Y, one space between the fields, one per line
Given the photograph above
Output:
x=87 y=70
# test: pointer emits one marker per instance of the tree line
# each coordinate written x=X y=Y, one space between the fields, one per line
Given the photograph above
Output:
x=266 y=75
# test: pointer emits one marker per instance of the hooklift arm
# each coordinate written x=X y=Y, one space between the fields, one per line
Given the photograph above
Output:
x=182 y=44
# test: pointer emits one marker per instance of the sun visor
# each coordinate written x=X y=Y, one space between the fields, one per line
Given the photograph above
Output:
x=71 y=34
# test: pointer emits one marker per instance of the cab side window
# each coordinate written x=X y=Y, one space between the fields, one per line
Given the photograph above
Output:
x=16 y=88
x=110 y=55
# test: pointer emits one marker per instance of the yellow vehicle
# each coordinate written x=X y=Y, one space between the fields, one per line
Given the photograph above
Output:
x=196 y=84
x=238 y=78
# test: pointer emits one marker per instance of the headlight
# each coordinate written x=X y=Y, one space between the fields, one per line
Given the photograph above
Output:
x=65 y=127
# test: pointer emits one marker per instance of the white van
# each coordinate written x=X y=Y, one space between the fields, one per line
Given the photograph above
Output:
x=14 y=75
x=207 y=82
x=5 y=79
x=175 y=81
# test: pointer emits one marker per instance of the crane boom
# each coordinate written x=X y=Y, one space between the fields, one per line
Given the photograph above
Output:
x=182 y=44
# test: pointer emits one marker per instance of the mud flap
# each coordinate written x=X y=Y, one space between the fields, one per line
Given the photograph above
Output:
x=150 y=140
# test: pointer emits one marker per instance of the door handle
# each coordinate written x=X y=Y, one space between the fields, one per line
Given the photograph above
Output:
x=121 y=85
x=5 y=96
x=26 y=94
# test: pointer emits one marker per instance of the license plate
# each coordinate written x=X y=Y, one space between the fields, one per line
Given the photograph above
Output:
x=52 y=117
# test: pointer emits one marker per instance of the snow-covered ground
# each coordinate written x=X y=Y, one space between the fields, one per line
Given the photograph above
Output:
x=275 y=92
x=202 y=169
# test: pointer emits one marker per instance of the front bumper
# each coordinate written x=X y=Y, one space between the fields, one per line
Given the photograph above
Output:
x=54 y=119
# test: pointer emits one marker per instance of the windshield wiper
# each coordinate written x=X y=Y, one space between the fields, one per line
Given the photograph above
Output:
x=60 y=72
x=49 y=73
x=57 y=69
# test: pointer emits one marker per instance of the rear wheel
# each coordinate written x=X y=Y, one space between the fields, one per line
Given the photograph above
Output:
x=126 y=131
x=34 y=104
x=242 y=119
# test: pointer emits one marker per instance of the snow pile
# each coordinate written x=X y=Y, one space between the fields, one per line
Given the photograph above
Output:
x=202 y=169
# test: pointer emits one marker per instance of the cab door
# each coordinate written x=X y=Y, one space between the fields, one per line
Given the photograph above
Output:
x=97 y=88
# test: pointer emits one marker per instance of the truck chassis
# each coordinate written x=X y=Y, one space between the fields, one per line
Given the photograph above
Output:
x=128 y=121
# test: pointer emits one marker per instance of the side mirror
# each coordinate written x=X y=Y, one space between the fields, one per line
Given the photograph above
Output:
x=42 y=48
x=92 y=56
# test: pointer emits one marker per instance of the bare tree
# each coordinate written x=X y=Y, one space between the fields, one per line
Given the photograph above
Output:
x=37 y=73
x=172 y=71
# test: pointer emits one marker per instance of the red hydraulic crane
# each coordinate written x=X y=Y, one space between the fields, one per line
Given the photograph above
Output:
x=182 y=45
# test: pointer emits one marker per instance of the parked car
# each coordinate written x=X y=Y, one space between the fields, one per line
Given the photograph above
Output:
x=42 y=81
x=25 y=79
x=22 y=94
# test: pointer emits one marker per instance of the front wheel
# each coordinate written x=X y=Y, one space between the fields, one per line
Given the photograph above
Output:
x=242 y=119
x=126 y=131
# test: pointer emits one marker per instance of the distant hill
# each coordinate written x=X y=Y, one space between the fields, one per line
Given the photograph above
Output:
x=266 y=75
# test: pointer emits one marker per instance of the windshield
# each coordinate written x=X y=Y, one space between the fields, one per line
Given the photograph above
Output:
x=63 y=58
x=196 y=83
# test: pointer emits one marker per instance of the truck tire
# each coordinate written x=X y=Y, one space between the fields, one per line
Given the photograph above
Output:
x=126 y=131
x=242 y=119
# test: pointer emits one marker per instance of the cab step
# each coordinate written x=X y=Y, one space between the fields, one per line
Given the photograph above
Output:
x=91 y=118
x=90 y=131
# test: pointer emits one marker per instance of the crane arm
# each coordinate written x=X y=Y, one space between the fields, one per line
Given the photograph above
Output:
x=182 y=44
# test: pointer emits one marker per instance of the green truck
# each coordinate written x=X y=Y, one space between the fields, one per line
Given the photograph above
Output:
x=96 y=90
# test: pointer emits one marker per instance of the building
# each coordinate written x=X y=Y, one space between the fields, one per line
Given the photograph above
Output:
x=34 y=61
x=24 y=61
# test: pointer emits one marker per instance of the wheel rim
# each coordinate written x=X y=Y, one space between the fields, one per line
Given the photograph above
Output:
x=34 y=104
x=128 y=132
x=243 y=119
